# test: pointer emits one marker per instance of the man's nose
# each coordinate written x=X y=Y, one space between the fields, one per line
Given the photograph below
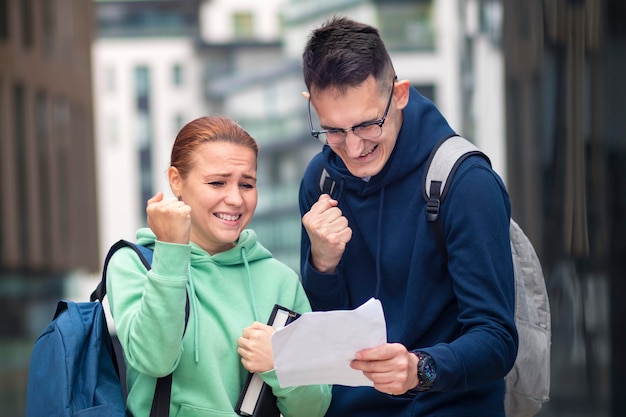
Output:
x=353 y=144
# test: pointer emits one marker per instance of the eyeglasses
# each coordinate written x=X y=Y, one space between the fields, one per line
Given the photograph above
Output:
x=366 y=130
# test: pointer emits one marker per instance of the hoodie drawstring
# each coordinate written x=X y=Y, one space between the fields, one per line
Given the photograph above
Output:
x=245 y=262
x=194 y=310
x=379 y=244
x=378 y=233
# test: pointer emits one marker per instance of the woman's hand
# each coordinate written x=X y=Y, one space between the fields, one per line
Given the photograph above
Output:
x=255 y=347
x=169 y=219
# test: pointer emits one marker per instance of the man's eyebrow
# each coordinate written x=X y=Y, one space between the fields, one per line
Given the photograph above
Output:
x=366 y=122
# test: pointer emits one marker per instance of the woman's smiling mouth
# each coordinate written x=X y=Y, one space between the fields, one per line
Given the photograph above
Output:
x=228 y=217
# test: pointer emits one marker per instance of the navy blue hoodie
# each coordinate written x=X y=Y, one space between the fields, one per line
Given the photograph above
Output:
x=461 y=311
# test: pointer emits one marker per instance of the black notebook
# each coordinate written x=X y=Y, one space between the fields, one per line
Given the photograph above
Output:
x=256 y=398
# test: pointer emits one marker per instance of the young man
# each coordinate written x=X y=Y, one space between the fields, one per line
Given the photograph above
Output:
x=450 y=318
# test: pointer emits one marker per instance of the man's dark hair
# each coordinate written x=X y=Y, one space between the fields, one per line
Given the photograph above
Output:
x=342 y=53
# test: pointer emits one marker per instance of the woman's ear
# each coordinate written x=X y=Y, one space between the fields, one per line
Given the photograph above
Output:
x=176 y=181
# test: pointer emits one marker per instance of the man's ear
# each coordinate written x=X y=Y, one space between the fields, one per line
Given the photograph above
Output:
x=401 y=93
x=175 y=180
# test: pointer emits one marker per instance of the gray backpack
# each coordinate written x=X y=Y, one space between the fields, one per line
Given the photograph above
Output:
x=528 y=383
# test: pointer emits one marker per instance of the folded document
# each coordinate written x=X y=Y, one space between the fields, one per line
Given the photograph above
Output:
x=319 y=346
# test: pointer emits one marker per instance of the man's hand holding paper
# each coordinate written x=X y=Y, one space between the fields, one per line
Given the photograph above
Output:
x=319 y=347
x=391 y=367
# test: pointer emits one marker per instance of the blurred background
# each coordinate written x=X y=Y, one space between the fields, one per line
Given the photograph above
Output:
x=92 y=94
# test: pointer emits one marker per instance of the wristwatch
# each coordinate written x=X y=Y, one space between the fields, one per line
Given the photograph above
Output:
x=426 y=372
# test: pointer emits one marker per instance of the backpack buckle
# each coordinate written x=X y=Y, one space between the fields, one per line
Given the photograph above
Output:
x=432 y=209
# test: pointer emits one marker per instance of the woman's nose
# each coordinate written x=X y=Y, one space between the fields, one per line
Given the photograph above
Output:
x=233 y=196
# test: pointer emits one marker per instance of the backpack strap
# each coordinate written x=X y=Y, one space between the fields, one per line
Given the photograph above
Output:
x=163 y=390
x=327 y=184
x=441 y=166
x=145 y=255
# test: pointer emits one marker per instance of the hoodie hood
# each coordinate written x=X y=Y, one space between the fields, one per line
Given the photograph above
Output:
x=247 y=242
x=422 y=127
x=426 y=126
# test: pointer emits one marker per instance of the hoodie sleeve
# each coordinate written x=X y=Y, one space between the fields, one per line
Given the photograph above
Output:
x=325 y=291
x=476 y=228
x=148 y=307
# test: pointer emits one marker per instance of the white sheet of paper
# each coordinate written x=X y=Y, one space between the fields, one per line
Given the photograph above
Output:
x=318 y=347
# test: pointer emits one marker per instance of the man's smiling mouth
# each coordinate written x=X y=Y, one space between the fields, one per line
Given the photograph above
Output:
x=369 y=152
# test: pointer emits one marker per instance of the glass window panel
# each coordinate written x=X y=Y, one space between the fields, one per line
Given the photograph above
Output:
x=177 y=75
x=408 y=25
x=27 y=23
x=243 y=25
x=4 y=19
x=43 y=137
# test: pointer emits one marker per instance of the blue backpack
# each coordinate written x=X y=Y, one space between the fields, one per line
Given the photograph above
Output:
x=74 y=369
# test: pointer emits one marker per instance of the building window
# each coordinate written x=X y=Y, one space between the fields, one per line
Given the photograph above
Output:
x=179 y=122
x=142 y=89
x=61 y=128
x=408 y=25
x=43 y=160
x=4 y=19
x=48 y=27
x=491 y=20
x=177 y=75
x=3 y=116
x=243 y=25
x=427 y=90
x=144 y=134
x=19 y=101
x=27 y=23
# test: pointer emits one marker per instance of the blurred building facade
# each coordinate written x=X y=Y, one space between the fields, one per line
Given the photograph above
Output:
x=242 y=59
x=527 y=82
x=158 y=65
x=146 y=86
x=48 y=209
x=424 y=39
x=565 y=61
x=535 y=84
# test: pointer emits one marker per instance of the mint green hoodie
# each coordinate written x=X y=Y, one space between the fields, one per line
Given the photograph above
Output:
x=227 y=292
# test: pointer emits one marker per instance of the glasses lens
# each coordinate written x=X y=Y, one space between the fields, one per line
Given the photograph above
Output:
x=335 y=137
x=368 y=131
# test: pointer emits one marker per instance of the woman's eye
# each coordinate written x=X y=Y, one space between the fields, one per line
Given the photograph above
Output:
x=247 y=186
x=215 y=183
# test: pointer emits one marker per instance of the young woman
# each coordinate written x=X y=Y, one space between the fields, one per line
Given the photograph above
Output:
x=203 y=250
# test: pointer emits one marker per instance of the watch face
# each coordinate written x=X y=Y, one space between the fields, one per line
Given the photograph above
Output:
x=426 y=372
x=429 y=369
